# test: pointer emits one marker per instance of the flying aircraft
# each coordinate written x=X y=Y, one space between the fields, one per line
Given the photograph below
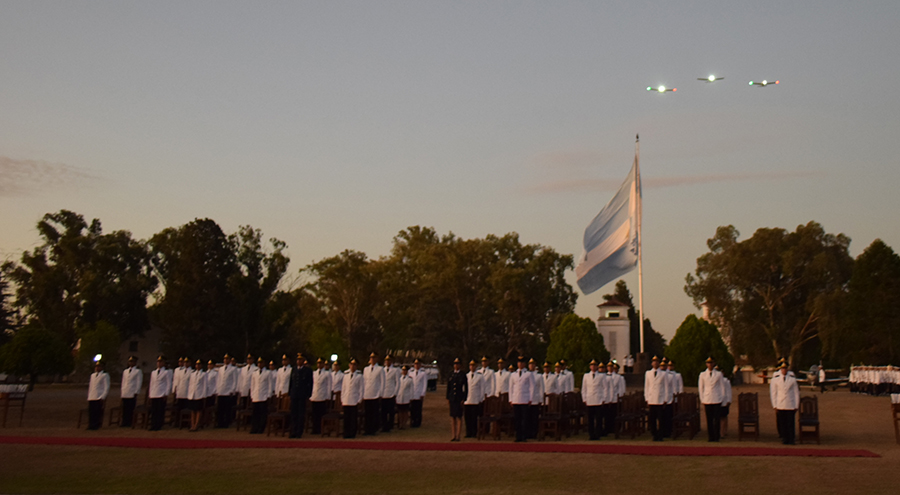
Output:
x=763 y=84
x=710 y=79
x=661 y=89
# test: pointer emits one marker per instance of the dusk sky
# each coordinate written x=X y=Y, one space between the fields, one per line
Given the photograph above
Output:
x=334 y=125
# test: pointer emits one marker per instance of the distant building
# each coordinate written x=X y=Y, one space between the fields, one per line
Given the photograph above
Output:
x=145 y=347
x=614 y=326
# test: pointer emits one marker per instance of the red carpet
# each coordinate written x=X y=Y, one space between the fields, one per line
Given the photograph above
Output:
x=474 y=446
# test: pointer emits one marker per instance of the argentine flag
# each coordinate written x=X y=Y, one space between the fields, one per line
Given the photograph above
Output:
x=611 y=239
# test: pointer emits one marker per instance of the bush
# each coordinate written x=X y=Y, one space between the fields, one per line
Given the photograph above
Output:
x=695 y=340
x=577 y=341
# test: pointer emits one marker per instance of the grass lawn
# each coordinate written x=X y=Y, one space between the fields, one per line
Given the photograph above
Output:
x=848 y=421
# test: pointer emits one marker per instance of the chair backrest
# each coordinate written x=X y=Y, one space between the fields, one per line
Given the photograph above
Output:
x=554 y=404
x=336 y=405
x=748 y=404
x=284 y=404
x=809 y=407
x=492 y=406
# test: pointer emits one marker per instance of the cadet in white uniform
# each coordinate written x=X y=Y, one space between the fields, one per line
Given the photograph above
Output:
x=655 y=395
x=389 y=395
x=159 y=390
x=550 y=380
x=321 y=394
x=567 y=382
x=212 y=378
x=668 y=405
x=352 y=391
x=283 y=377
x=610 y=402
x=785 y=395
x=474 y=399
x=593 y=393
x=337 y=379
x=273 y=377
x=132 y=380
x=260 y=391
x=404 y=394
x=196 y=394
x=97 y=392
x=226 y=390
x=244 y=376
x=420 y=380
x=521 y=387
x=537 y=399
x=726 y=405
x=487 y=375
x=711 y=396
x=501 y=381
x=181 y=383
x=374 y=378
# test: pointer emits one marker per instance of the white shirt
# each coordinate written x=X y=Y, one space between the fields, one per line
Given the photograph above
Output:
x=260 y=385
x=670 y=386
x=337 y=381
x=283 y=380
x=99 y=387
x=655 y=387
x=784 y=392
x=226 y=382
x=197 y=385
x=620 y=386
x=212 y=382
x=352 y=389
x=374 y=378
x=594 y=388
x=726 y=388
x=567 y=383
x=405 y=389
x=710 y=386
x=537 y=388
x=521 y=385
x=420 y=382
x=160 y=383
x=679 y=383
x=132 y=380
x=391 y=382
x=243 y=382
x=501 y=382
x=321 y=386
x=181 y=382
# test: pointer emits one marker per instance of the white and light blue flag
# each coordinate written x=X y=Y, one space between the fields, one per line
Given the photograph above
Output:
x=611 y=239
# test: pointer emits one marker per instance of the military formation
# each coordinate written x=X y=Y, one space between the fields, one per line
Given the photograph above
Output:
x=875 y=380
x=384 y=390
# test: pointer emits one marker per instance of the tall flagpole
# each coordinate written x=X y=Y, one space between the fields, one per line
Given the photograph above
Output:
x=640 y=215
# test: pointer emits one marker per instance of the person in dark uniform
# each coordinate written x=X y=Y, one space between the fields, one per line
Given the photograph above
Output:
x=300 y=390
x=457 y=390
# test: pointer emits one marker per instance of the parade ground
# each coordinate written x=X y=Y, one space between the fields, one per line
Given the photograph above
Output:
x=47 y=454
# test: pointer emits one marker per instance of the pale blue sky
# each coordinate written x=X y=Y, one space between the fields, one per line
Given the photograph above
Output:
x=333 y=125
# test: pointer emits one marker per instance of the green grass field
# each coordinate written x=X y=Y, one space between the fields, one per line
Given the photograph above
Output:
x=849 y=421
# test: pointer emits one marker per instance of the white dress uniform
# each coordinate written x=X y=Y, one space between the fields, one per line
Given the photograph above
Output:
x=404 y=390
x=321 y=386
x=620 y=386
x=551 y=385
x=352 y=389
x=521 y=387
x=391 y=382
x=476 y=383
x=181 y=384
x=99 y=386
x=374 y=378
x=678 y=384
x=594 y=387
x=212 y=382
x=226 y=382
x=283 y=380
x=244 y=377
x=487 y=375
x=420 y=379
x=567 y=382
x=655 y=387
x=726 y=391
x=785 y=395
x=537 y=388
x=501 y=382
x=337 y=381
x=710 y=387
x=196 y=386
x=160 y=383
x=260 y=385
x=132 y=380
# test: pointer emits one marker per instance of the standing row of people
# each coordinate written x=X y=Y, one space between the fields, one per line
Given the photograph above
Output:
x=601 y=389
x=874 y=380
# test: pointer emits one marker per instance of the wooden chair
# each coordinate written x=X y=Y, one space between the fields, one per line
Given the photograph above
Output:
x=489 y=421
x=281 y=416
x=115 y=416
x=685 y=417
x=334 y=418
x=141 y=414
x=552 y=418
x=628 y=416
x=15 y=397
x=577 y=412
x=808 y=419
x=895 y=411
x=243 y=417
x=748 y=415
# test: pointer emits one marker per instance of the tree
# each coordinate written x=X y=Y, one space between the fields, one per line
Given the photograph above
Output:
x=654 y=342
x=7 y=313
x=101 y=339
x=763 y=291
x=347 y=288
x=694 y=341
x=80 y=276
x=863 y=322
x=577 y=341
x=35 y=351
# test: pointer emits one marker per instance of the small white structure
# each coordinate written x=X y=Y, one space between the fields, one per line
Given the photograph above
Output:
x=615 y=328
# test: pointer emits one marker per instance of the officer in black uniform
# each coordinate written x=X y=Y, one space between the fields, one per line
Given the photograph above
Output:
x=457 y=390
x=300 y=390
